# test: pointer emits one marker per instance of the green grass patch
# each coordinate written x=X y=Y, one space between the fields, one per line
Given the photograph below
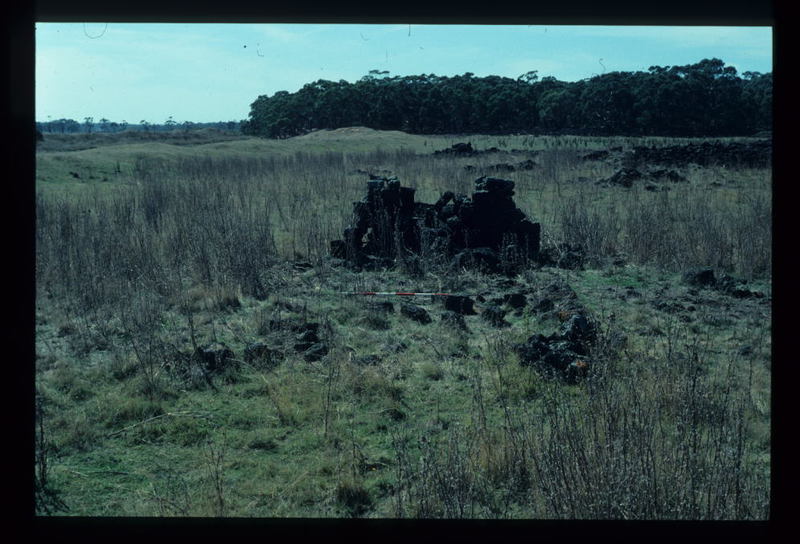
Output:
x=206 y=242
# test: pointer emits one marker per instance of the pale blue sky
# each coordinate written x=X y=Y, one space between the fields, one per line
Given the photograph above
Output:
x=213 y=72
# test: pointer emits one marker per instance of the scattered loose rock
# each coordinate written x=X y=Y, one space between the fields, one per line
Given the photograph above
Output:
x=624 y=177
x=565 y=352
x=417 y=313
x=596 y=155
x=749 y=154
x=316 y=352
x=465 y=149
x=515 y=300
x=383 y=306
x=495 y=316
x=460 y=149
x=670 y=175
x=542 y=305
x=395 y=347
x=725 y=284
x=215 y=357
x=367 y=360
x=703 y=277
x=736 y=287
x=566 y=256
x=308 y=335
x=259 y=352
x=454 y=319
x=579 y=329
x=459 y=304
x=482 y=258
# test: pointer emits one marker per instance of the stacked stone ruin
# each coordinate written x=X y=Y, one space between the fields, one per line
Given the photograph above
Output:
x=486 y=230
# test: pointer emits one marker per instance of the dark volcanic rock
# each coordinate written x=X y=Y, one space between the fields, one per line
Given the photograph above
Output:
x=550 y=353
x=501 y=187
x=338 y=249
x=259 y=352
x=307 y=336
x=302 y=346
x=747 y=154
x=316 y=352
x=470 y=231
x=579 y=330
x=481 y=258
x=566 y=256
x=576 y=371
x=670 y=175
x=564 y=353
x=463 y=149
x=542 y=305
x=459 y=304
x=395 y=414
x=454 y=319
x=561 y=290
x=728 y=285
x=515 y=300
x=396 y=347
x=367 y=360
x=445 y=199
x=625 y=177
x=703 y=277
x=668 y=306
x=383 y=306
x=215 y=357
x=417 y=313
x=305 y=327
x=495 y=316
x=560 y=355
x=735 y=287
x=596 y=155
x=460 y=149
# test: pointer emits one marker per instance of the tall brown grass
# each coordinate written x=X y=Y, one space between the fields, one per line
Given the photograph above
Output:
x=663 y=438
x=658 y=433
x=224 y=220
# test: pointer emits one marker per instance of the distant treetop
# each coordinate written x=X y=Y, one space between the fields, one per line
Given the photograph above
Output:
x=703 y=99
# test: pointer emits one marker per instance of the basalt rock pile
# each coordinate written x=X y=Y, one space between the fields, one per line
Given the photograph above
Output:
x=463 y=149
x=460 y=149
x=625 y=177
x=704 y=277
x=751 y=154
x=564 y=353
x=486 y=230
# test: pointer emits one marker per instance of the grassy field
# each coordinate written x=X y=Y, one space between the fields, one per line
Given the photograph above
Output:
x=149 y=248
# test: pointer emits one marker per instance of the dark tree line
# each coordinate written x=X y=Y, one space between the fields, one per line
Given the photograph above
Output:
x=703 y=99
